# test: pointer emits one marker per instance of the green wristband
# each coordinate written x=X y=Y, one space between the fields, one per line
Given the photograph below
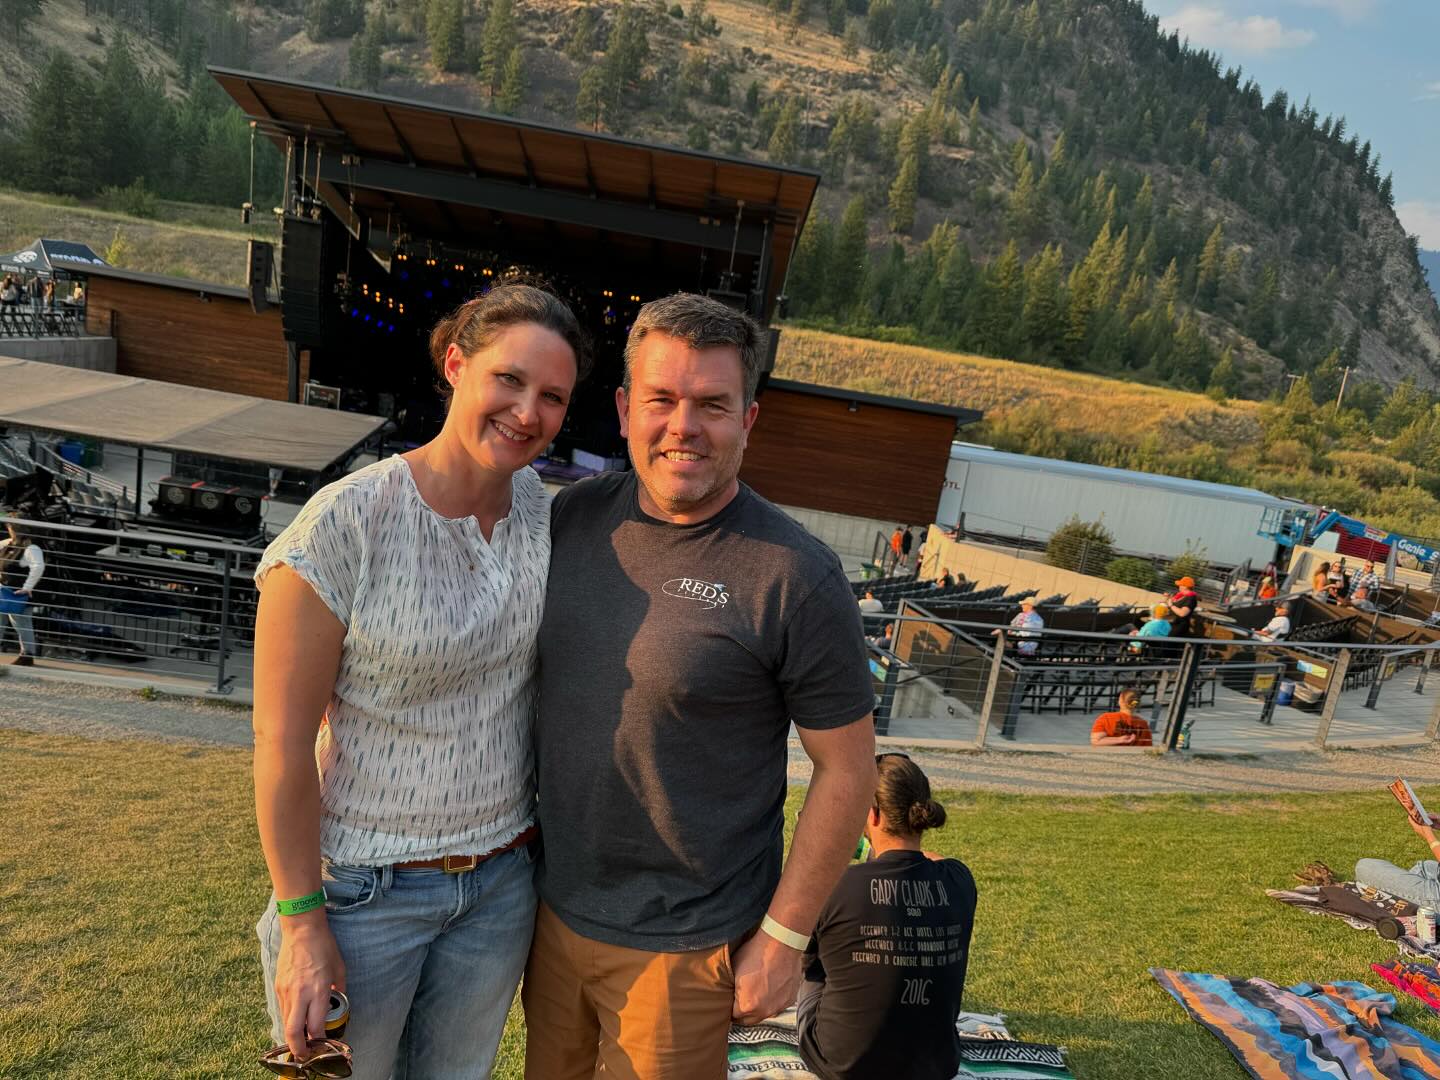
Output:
x=300 y=905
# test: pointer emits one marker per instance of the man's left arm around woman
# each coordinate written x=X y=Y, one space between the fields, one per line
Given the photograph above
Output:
x=297 y=658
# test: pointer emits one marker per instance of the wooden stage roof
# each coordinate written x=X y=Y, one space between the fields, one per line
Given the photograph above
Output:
x=452 y=173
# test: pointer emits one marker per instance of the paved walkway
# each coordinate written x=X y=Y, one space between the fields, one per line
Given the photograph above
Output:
x=1230 y=726
x=108 y=712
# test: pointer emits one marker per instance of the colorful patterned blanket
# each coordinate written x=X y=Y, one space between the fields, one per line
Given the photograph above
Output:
x=771 y=1051
x=1420 y=981
x=1335 y=1031
x=1363 y=908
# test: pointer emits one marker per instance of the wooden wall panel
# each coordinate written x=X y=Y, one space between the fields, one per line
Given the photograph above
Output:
x=877 y=462
x=171 y=334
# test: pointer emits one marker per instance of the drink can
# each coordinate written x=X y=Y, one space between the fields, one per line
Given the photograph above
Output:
x=1425 y=926
x=337 y=1016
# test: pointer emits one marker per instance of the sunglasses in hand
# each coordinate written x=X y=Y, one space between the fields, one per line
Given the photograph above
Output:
x=329 y=1060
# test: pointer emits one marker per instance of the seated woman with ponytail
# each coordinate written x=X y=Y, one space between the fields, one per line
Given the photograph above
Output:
x=886 y=968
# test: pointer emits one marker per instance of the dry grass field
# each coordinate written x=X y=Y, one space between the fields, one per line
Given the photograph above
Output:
x=206 y=243
x=1089 y=404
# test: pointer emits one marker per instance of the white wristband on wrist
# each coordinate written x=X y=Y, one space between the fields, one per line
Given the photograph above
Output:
x=784 y=935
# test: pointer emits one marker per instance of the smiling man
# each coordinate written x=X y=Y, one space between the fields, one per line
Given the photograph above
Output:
x=688 y=623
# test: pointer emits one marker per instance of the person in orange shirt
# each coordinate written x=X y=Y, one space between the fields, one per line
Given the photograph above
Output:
x=1267 y=588
x=896 y=539
x=1122 y=728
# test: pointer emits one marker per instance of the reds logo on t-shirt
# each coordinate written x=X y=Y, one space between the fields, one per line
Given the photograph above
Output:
x=709 y=594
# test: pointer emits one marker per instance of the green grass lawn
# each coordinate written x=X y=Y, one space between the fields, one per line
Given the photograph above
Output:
x=131 y=879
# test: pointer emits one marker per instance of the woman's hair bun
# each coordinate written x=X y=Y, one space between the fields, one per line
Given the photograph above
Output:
x=925 y=815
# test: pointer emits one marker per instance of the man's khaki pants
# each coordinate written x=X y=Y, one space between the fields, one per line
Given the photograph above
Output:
x=597 y=1010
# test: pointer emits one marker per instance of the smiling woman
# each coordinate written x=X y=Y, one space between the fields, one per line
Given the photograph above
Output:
x=401 y=608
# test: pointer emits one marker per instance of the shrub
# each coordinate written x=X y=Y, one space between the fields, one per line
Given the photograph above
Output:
x=1193 y=563
x=135 y=200
x=1081 y=546
x=1131 y=571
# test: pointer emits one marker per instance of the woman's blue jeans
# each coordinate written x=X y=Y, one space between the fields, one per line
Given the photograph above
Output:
x=1420 y=884
x=24 y=630
x=432 y=961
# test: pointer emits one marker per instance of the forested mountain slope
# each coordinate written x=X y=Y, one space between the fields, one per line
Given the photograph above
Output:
x=1061 y=182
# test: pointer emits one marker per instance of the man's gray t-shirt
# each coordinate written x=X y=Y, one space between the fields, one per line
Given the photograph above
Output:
x=673 y=659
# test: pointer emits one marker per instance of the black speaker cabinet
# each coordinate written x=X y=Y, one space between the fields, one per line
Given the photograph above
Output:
x=176 y=495
x=302 y=257
x=260 y=255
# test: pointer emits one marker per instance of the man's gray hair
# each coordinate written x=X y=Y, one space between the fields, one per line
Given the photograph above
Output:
x=702 y=323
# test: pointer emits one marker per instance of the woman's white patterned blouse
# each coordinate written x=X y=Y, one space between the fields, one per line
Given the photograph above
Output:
x=426 y=750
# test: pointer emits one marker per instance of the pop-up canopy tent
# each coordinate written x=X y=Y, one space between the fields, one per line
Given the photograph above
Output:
x=51 y=258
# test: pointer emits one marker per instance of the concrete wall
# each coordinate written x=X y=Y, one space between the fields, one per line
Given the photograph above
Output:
x=842 y=533
x=90 y=353
x=992 y=566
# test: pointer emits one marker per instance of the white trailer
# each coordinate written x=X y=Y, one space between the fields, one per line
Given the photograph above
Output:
x=1016 y=494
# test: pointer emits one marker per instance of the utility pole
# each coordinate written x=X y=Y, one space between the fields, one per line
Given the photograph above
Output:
x=1344 y=378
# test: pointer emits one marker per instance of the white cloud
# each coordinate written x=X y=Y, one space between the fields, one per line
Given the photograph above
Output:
x=1429 y=92
x=1349 y=11
x=1214 y=28
x=1421 y=217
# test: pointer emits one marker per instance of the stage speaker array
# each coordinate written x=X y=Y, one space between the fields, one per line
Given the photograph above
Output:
x=202 y=503
x=302 y=257
x=260 y=255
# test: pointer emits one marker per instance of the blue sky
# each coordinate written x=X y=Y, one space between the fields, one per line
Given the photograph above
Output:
x=1377 y=62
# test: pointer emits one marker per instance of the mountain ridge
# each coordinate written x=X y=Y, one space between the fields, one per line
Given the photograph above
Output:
x=963 y=128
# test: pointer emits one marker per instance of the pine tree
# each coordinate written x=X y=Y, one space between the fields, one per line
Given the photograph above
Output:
x=847 y=271
x=581 y=44
x=18 y=14
x=1225 y=378
x=902 y=195
x=1025 y=208
x=56 y=145
x=1211 y=266
x=850 y=43
x=512 y=86
x=364 y=65
x=809 y=277
x=497 y=43
x=445 y=31
x=784 y=145
x=1261 y=315
x=1042 y=319
x=752 y=98
x=974 y=119
x=591 y=100
x=1002 y=299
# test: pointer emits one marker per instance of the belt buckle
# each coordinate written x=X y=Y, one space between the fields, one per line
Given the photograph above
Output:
x=459 y=864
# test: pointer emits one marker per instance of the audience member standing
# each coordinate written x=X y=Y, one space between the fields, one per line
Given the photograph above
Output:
x=22 y=565
x=897 y=543
x=34 y=291
x=907 y=542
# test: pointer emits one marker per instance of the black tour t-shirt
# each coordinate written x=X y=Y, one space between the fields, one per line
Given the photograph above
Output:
x=673 y=659
x=891 y=948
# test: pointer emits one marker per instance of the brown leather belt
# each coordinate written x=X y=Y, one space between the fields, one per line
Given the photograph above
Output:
x=459 y=864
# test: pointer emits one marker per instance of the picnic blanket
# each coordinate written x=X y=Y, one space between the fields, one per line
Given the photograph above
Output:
x=1334 y=1031
x=1362 y=907
x=1420 y=981
x=771 y=1051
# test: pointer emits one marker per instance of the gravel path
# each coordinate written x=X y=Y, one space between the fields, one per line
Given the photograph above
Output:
x=104 y=713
